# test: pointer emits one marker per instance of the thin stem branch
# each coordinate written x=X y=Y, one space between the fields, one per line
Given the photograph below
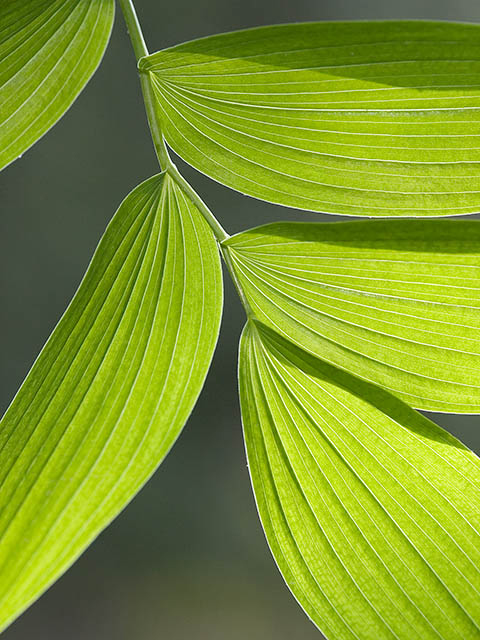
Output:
x=214 y=224
x=153 y=122
x=140 y=50
x=134 y=28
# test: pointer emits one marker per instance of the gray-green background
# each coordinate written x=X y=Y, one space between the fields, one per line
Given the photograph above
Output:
x=187 y=559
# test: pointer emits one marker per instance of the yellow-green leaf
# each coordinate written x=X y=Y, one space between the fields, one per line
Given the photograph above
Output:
x=111 y=390
x=357 y=118
x=395 y=302
x=371 y=510
x=48 y=51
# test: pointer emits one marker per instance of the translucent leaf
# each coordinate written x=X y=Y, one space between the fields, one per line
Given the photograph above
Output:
x=48 y=51
x=111 y=390
x=358 y=118
x=396 y=302
x=370 y=509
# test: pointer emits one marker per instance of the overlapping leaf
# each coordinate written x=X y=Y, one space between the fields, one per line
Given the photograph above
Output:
x=395 y=302
x=371 y=510
x=110 y=391
x=48 y=51
x=358 y=118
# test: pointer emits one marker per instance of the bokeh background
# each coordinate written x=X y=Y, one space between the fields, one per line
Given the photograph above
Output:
x=187 y=559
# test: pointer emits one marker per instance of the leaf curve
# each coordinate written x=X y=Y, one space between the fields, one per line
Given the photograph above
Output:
x=110 y=391
x=357 y=118
x=396 y=302
x=370 y=510
x=49 y=49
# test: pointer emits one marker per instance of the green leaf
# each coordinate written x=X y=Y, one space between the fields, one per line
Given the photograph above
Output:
x=357 y=118
x=111 y=390
x=370 y=509
x=48 y=51
x=396 y=302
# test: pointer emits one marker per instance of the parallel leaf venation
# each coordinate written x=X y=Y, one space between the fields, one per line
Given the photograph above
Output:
x=48 y=52
x=360 y=118
x=395 y=302
x=111 y=390
x=370 y=509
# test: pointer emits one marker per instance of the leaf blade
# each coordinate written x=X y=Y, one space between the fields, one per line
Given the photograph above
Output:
x=112 y=389
x=355 y=118
x=48 y=52
x=353 y=488
x=396 y=302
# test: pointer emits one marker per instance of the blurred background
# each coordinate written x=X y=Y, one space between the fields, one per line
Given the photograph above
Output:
x=187 y=559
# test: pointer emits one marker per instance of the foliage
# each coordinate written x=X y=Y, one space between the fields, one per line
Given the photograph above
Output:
x=48 y=51
x=130 y=354
x=358 y=118
x=397 y=302
x=371 y=510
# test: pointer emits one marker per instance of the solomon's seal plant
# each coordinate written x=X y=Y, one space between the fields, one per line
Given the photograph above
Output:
x=371 y=510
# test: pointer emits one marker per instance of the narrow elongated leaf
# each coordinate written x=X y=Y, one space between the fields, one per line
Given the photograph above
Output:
x=370 y=509
x=358 y=118
x=395 y=302
x=110 y=391
x=48 y=51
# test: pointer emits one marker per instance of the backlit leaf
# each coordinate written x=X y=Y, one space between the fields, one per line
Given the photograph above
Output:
x=395 y=302
x=358 y=118
x=48 y=51
x=111 y=390
x=370 y=509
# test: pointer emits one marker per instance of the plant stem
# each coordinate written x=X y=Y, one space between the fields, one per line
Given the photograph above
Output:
x=140 y=50
x=214 y=224
x=159 y=143
x=134 y=28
